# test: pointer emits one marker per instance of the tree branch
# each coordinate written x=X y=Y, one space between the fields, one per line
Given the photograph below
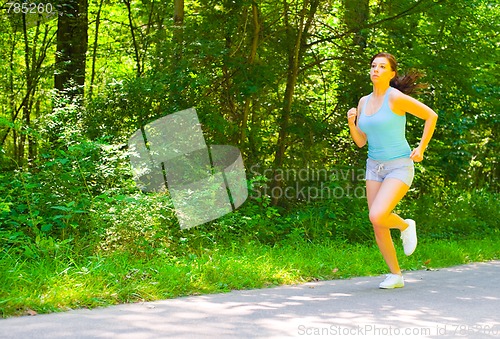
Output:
x=404 y=13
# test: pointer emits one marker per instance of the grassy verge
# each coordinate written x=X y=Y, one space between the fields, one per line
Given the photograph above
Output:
x=55 y=284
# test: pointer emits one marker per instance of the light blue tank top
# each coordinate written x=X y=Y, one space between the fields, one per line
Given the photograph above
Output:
x=385 y=131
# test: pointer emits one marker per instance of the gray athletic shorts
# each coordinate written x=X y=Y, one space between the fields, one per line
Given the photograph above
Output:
x=401 y=169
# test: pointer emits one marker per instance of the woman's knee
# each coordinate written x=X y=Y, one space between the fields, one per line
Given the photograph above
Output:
x=378 y=218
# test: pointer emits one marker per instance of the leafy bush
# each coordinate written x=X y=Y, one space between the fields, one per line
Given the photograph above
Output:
x=51 y=200
x=449 y=213
x=140 y=224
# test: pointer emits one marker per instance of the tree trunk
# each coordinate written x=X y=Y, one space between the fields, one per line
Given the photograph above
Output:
x=295 y=56
x=352 y=75
x=94 y=48
x=178 y=81
x=251 y=61
x=72 y=44
x=31 y=73
x=134 y=39
x=178 y=34
x=356 y=16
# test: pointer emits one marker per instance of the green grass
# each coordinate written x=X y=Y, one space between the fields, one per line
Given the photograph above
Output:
x=59 y=283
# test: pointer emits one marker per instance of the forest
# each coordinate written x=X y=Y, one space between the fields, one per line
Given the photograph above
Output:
x=272 y=78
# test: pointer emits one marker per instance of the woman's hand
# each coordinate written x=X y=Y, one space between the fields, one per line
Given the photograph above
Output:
x=417 y=154
x=357 y=135
x=351 y=116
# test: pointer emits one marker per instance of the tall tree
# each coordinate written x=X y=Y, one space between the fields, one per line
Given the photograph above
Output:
x=251 y=61
x=353 y=79
x=72 y=44
x=356 y=14
x=94 y=48
x=37 y=38
x=177 y=67
x=178 y=38
x=297 y=46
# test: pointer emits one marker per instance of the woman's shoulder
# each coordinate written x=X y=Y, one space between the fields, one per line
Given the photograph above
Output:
x=399 y=102
x=398 y=97
x=395 y=93
x=363 y=99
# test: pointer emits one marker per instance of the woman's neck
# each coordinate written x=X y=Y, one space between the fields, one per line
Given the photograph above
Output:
x=379 y=90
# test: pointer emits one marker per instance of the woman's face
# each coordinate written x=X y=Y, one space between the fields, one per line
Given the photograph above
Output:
x=381 y=71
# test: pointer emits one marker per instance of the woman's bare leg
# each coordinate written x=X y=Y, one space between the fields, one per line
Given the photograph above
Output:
x=382 y=199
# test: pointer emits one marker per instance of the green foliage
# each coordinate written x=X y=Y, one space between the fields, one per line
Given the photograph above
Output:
x=52 y=201
x=450 y=213
x=117 y=226
x=69 y=208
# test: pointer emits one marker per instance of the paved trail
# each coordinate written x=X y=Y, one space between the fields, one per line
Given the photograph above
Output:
x=462 y=301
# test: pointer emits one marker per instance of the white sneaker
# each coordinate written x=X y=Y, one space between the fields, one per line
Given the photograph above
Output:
x=392 y=281
x=409 y=236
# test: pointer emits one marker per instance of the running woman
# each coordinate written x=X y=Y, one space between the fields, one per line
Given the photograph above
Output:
x=380 y=121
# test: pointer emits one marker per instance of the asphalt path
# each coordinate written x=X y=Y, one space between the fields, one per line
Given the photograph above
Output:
x=456 y=302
